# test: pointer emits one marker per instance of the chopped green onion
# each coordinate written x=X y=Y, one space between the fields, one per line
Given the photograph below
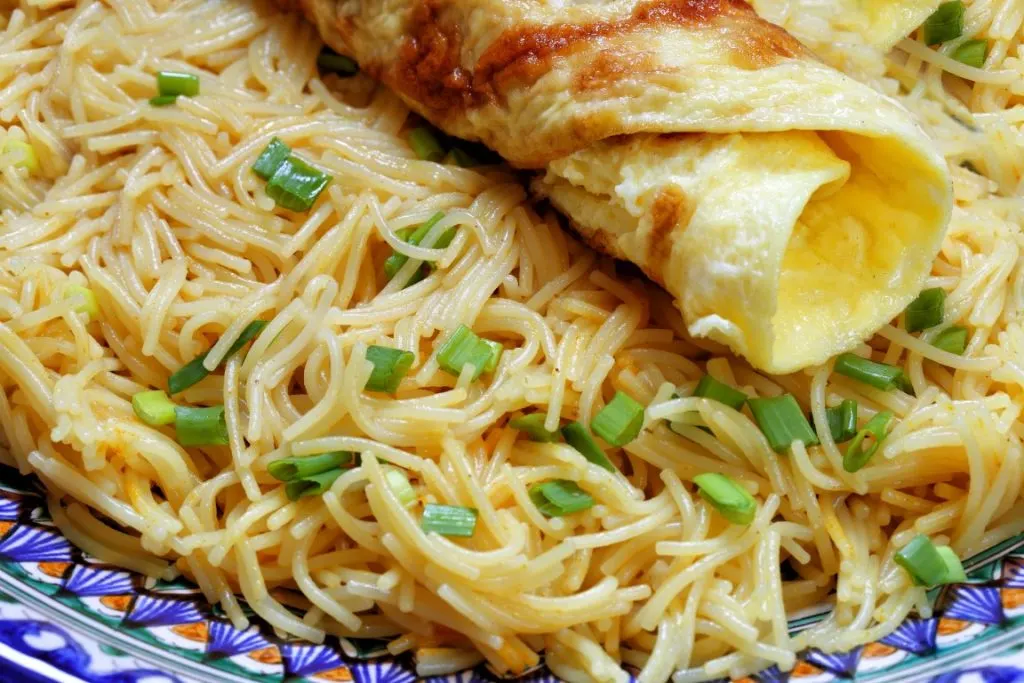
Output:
x=153 y=407
x=782 y=421
x=329 y=60
x=24 y=153
x=425 y=145
x=946 y=23
x=857 y=455
x=878 y=375
x=389 y=367
x=313 y=485
x=926 y=310
x=560 y=497
x=709 y=387
x=730 y=499
x=533 y=425
x=461 y=157
x=971 y=53
x=577 y=436
x=449 y=520
x=201 y=426
x=464 y=347
x=620 y=421
x=163 y=100
x=928 y=565
x=842 y=420
x=399 y=484
x=295 y=184
x=194 y=371
x=89 y=305
x=272 y=156
x=287 y=469
x=176 y=83
x=395 y=262
x=952 y=340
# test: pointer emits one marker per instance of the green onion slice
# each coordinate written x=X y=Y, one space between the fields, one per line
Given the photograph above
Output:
x=425 y=144
x=926 y=310
x=194 y=371
x=163 y=100
x=878 y=375
x=577 y=436
x=331 y=61
x=154 y=408
x=24 y=154
x=313 y=485
x=857 y=455
x=620 y=421
x=709 y=387
x=560 y=497
x=177 y=83
x=414 y=236
x=272 y=156
x=730 y=499
x=287 y=469
x=389 y=367
x=533 y=425
x=89 y=305
x=464 y=347
x=782 y=421
x=842 y=420
x=946 y=23
x=399 y=484
x=952 y=339
x=201 y=426
x=296 y=185
x=971 y=53
x=461 y=158
x=449 y=520
x=928 y=565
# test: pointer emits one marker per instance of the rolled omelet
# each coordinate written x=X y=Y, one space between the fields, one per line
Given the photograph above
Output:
x=790 y=210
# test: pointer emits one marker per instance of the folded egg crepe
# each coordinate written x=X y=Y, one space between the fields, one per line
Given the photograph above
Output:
x=790 y=210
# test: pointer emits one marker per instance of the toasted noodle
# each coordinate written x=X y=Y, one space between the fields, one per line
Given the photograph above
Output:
x=156 y=211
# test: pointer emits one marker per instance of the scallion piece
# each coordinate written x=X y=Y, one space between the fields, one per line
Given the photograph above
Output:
x=154 y=408
x=782 y=421
x=449 y=520
x=878 y=375
x=533 y=425
x=296 y=185
x=926 y=310
x=177 y=83
x=709 y=387
x=560 y=497
x=287 y=469
x=928 y=565
x=400 y=486
x=842 y=420
x=730 y=499
x=945 y=23
x=395 y=262
x=313 y=485
x=464 y=347
x=272 y=156
x=952 y=340
x=425 y=144
x=857 y=455
x=194 y=371
x=24 y=154
x=461 y=158
x=389 y=367
x=577 y=436
x=163 y=100
x=201 y=426
x=620 y=421
x=331 y=61
x=88 y=304
x=971 y=53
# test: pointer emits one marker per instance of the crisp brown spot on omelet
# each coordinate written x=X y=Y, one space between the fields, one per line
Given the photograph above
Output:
x=670 y=209
x=609 y=66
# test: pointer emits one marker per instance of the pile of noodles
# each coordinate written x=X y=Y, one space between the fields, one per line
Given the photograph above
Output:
x=156 y=211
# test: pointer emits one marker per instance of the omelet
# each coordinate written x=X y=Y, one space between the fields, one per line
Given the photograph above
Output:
x=879 y=23
x=790 y=210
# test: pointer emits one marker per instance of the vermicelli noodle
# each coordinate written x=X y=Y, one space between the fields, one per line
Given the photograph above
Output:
x=155 y=211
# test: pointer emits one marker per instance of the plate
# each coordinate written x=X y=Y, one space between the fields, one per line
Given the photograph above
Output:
x=66 y=616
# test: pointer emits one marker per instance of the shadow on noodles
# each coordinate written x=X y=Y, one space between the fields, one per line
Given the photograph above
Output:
x=263 y=327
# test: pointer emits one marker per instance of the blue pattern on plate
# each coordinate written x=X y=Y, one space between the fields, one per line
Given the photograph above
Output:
x=840 y=663
x=306 y=660
x=9 y=509
x=975 y=603
x=987 y=674
x=914 y=635
x=32 y=544
x=89 y=581
x=772 y=675
x=150 y=611
x=228 y=641
x=1013 y=572
x=382 y=671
